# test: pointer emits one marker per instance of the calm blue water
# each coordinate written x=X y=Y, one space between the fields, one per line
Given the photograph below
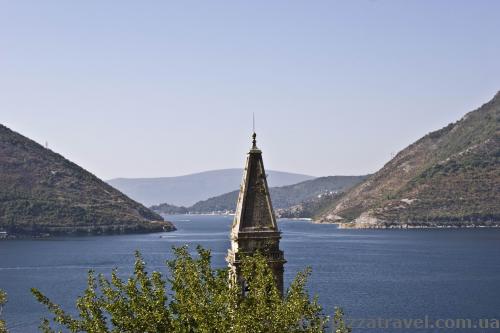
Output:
x=371 y=273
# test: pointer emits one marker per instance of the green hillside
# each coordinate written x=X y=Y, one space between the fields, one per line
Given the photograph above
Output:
x=41 y=192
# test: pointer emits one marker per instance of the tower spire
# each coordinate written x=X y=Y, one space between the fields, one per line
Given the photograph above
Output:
x=254 y=227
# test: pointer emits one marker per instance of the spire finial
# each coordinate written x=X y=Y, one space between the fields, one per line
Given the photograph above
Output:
x=254 y=135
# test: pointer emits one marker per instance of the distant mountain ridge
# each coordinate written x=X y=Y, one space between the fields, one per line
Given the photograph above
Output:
x=282 y=197
x=189 y=189
x=450 y=177
x=41 y=192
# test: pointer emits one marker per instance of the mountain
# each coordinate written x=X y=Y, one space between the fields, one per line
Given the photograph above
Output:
x=41 y=192
x=189 y=189
x=450 y=177
x=168 y=209
x=282 y=197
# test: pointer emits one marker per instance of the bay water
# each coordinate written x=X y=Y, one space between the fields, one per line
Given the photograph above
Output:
x=428 y=274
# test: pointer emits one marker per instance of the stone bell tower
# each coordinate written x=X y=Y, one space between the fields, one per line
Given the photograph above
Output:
x=254 y=227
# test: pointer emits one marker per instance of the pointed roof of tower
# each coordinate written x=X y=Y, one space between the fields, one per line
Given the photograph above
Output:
x=254 y=210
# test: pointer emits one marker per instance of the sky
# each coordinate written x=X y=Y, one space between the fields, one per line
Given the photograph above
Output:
x=166 y=88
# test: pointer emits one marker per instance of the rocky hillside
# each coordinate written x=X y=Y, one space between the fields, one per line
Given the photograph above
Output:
x=41 y=192
x=450 y=177
x=309 y=208
x=282 y=197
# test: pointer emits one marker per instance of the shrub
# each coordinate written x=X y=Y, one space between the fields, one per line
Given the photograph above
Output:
x=3 y=300
x=201 y=299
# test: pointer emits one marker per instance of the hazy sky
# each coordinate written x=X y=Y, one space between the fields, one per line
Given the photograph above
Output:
x=163 y=88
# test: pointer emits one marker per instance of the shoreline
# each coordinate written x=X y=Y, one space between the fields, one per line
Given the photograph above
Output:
x=345 y=226
x=232 y=214
x=84 y=231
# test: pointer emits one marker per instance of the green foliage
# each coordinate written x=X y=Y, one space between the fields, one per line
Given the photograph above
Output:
x=3 y=300
x=338 y=322
x=202 y=299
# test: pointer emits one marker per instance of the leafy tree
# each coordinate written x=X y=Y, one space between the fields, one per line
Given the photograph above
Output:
x=3 y=300
x=338 y=322
x=202 y=299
